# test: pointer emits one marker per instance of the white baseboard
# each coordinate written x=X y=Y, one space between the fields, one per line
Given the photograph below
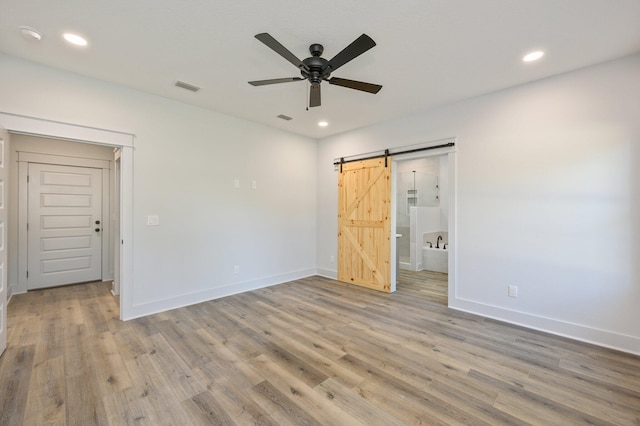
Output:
x=327 y=273
x=157 y=306
x=605 y=338
x=12 y=290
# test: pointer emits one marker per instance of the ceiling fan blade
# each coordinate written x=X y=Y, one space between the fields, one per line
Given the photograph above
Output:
x=357 y=85
x=281 y=50
x=274 y=81
x=355 y=49
x=314 y=96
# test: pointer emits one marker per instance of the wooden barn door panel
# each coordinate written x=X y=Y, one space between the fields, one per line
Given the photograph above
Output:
x=364 y=224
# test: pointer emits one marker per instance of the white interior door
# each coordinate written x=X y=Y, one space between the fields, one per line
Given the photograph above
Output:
x=4 y=146
x=64 y=225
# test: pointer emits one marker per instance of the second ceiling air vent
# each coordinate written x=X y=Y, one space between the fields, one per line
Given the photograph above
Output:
x=187 y=86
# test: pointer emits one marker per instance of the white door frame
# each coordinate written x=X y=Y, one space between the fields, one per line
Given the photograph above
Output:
x=76 y=133
x=450 y=152
x=115 y=235
x=4 y=283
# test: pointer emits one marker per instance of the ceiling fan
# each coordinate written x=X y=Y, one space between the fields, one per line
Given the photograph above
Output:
x=316 y=68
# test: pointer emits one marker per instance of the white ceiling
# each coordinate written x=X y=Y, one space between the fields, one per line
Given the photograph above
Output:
x=429 y=52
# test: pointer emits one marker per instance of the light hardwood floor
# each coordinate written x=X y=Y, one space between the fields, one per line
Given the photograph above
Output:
x=432 y=286
x=313 y=351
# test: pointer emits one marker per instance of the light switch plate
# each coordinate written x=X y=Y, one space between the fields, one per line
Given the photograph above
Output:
x=153 y=220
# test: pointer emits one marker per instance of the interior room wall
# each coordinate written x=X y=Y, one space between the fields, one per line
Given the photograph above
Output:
x=547 y=188
x=547 y=184
x=186 y=161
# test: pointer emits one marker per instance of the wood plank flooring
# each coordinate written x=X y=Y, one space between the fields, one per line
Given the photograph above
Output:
x=431 y=285
x=313 y=351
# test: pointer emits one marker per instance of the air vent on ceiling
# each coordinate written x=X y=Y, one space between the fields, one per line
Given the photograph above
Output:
x=285 y=117
x=187 y=86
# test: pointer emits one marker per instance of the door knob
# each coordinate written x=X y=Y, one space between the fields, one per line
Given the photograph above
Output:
x=97 y=222
x=97 y=229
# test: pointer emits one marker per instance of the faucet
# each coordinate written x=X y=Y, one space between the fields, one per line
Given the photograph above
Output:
x=430 y=244
x=438 y=241
x=444 y=246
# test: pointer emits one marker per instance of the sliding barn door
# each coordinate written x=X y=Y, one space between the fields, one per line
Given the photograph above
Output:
x=364 y=224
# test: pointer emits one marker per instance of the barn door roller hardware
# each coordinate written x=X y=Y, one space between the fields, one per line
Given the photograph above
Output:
x=386 y=154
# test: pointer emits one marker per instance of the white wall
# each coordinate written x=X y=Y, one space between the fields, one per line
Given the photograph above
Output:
x=185 y=162
x=548 y=199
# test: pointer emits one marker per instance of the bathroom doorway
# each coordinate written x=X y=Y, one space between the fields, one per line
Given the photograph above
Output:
x=424 y=203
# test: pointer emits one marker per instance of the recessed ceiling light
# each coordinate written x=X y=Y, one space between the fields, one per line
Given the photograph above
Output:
x=75 y=39
x=323 y=124
x=533 y=56
x=30 y=33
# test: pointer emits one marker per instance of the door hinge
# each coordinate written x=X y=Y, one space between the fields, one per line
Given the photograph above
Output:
x=27 y=178
x=27 y=226
x=27 y=274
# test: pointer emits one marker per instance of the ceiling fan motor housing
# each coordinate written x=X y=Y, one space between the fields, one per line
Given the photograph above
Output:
x=317 y=66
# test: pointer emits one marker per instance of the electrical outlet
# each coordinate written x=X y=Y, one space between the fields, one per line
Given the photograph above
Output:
x=236 y=269
x=513 y=291
x=332 y=259
x=236 y=183
x=254 y=184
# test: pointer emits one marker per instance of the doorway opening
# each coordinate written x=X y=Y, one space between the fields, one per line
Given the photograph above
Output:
x=423 y=211
x=62 y=197
x=86 y=137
